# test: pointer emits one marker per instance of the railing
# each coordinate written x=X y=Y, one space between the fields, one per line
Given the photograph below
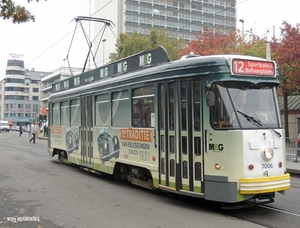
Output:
x=292 y=149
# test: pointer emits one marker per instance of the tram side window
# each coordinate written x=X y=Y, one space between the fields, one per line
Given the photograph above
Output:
x=55 y=114
x=171 y=107
x=75 y=113
x=65 y=113
x=143 y=107
x=120 y=112
x=196 y=104
x=102 y=110
x=183 y=105
x=162 y=107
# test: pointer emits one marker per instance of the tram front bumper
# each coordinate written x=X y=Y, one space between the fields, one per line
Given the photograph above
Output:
x=264 y=184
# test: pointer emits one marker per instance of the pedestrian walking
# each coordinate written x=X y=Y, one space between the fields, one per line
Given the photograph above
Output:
x=20 y=130
x=29 y=130
x=37 y=130
x=45 y=131
x=32 y=129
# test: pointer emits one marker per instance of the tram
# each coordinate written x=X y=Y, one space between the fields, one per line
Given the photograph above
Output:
x=203 y=126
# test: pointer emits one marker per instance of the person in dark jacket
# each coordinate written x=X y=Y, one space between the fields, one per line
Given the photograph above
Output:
x=20 y=130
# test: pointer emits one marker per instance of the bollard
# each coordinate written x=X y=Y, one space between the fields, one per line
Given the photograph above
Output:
x=298 y=151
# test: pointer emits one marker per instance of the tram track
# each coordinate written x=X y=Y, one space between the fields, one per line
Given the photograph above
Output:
x=267 y=216
x=279 y=210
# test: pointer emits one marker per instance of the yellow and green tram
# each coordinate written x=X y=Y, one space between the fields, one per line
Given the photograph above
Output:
x=204 y=126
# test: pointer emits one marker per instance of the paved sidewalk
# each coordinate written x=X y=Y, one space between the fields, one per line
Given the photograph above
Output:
x=293 y=167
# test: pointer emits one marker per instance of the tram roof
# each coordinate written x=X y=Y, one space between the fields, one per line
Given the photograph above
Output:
x=150 y=62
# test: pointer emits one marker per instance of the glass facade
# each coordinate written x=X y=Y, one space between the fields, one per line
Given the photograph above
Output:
x=186 y=17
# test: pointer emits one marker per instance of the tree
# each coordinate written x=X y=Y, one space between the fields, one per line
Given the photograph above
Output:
x=287 y=55
x=286 y=52
x=129 y=44
x=210 y=42
x=173 y=45
x=251 y=44
x=18 y=14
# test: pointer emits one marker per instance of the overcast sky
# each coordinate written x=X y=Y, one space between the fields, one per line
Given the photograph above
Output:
x=45 y=43
x=262 y=15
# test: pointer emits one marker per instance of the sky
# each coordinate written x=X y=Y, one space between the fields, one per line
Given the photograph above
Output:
x=44 y=44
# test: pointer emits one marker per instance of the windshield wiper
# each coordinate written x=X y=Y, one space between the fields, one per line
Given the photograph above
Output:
x=257 y=122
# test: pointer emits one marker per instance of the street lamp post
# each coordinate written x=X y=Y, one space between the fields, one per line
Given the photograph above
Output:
x=104 y=40
x=241 y=20
x=64 y=67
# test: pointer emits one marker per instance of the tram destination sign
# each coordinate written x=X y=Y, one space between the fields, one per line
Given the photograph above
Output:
x=253 y=67
x=118 y=68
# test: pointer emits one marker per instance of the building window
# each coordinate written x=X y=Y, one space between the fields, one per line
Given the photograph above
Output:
x=35 y=98
x=15 y=72
x=35 y=108
x=35 y=90
x=12 y=97
x=14 y=80
x=17 y=89
x=28 y=107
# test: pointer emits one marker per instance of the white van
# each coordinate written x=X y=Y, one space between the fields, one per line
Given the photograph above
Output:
x=4 y=125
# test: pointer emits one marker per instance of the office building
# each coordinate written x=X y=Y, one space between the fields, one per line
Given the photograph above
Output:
x=47 y=81
x=182 y=19
x=20 y=92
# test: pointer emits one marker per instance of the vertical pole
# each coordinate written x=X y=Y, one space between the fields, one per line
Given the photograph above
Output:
x=241 y=20
x=268 y=51
x=104 y=40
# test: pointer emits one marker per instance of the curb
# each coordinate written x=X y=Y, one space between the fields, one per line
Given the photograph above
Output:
x=293 y=171
x=45 y=138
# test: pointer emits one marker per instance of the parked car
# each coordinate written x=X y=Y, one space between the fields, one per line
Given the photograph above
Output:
x=4 y=125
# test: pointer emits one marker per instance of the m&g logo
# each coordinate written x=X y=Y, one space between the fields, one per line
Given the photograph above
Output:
x=215 y=147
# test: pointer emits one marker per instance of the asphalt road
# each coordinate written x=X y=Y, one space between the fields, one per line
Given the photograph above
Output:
x=34 y=186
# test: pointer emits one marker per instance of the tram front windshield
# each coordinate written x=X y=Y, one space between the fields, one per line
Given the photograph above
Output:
x=244 y=105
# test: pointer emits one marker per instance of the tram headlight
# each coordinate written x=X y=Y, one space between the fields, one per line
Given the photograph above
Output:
x=268 y=153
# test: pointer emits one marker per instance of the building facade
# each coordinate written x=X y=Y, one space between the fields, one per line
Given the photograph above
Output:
x=47 y=81
x=20 y=93
x=293 y=107
x=182 y=19
x=24 y=94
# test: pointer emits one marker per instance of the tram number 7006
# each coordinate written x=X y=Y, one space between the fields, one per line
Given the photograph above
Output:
x=267 y=166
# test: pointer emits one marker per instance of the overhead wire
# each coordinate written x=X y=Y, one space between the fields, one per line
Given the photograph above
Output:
x=30 y=62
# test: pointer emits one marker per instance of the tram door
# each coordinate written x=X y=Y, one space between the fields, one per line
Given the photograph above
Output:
x=86 y=130
x=180 y=137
